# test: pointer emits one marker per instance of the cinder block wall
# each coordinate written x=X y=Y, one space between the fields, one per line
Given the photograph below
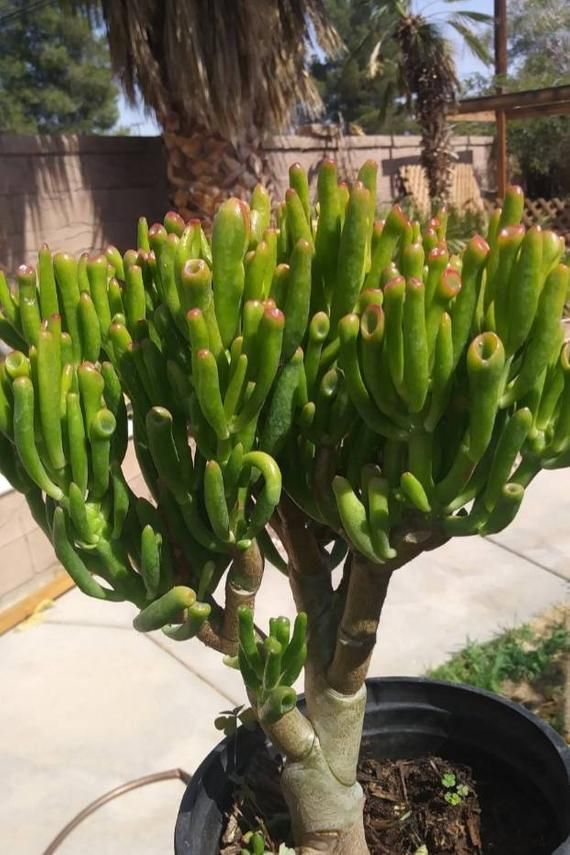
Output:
x=76 y=193
x=391 y=152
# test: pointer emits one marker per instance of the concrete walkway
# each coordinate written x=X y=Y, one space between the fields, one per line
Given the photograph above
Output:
x=86 y=703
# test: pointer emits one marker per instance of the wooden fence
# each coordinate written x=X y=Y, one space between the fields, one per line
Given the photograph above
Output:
x=551 y=213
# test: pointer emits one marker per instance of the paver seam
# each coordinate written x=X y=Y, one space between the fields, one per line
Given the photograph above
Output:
x=156 y=643
x=209 y=683
x=86 y=624
x=551 y=570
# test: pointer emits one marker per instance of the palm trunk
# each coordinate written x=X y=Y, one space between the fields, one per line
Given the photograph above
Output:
x=203 y=169
x=437 y=153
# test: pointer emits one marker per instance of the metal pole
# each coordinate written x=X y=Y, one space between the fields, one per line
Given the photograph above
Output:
x=500 y=70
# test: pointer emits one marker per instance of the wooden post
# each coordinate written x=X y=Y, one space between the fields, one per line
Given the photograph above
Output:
x=500 y=70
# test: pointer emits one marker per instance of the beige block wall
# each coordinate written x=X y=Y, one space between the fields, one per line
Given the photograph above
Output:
x=391 y=152
x=76 y=193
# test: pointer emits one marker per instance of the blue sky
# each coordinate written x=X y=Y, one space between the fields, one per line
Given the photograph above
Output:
x=142 y=124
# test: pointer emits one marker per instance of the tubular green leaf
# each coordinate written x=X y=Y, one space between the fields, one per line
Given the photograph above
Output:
x=394 y=294
x=295 y=653
x=268 y=498
x=542 y=336
x=485 y=364
x=416 y=355
x=24 y=438
x=351 y=255
x=215 y=500
x=68 y=556
x=89 y=328
x=354 y=520
x=165 y=610
x=101 y=430
x=49 y=389
x=65 y=270
x=28 y=304
x=376 y=421
x=281 y=410
x=508 y=447
x=270 y=337
x=297 y=298
x=208 y=392
x=379 y=517
x=229 y=240
x=77 y=442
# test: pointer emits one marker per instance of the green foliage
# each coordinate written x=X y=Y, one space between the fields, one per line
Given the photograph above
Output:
x=455 y=792
x=539 y=56
x=463 y=225
x=515 y=655
x=540 y=147
x=393 y=391
x=374 y=84
x=345 y=83
x=228 y=721
x=255 y=843
x=55 y=74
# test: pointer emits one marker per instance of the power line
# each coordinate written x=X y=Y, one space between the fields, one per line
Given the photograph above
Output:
x=19 y=13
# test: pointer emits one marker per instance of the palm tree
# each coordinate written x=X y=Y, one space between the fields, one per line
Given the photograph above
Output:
x=409 y=51
x=218 y=74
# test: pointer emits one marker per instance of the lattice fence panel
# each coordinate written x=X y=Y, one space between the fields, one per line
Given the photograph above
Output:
x=464 y=191
x=551 y=213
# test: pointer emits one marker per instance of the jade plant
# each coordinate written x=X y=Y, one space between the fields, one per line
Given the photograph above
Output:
x=309 y=389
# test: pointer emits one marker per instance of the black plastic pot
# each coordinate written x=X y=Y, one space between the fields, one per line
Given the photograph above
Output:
x=406 y=718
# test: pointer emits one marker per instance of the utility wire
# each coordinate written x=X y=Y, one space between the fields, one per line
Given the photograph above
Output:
x=19 y=13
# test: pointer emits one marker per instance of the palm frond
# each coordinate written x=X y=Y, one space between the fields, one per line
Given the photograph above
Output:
x=469 y=15
x=374 y=62
x=475 y=45
x=219 y=65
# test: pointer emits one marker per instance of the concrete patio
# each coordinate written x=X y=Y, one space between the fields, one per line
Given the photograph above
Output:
x=87 y=703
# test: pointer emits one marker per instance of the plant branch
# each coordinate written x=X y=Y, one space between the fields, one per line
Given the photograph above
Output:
x=292 y=735
x=242 y=584
x=367 y=590
x=309 y=577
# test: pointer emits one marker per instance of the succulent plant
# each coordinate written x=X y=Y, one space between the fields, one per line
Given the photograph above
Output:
x=314 y=384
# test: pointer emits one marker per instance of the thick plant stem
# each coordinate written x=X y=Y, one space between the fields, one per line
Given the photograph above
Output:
x=356 y=637
x=309 y=575
x=319 y=780
x=367 y=589
x=242 y=584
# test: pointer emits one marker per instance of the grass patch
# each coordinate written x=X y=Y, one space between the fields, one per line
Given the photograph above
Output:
x=527 y=664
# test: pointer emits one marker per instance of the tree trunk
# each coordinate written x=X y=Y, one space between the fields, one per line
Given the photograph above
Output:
x=437 y=154
x=321 y=747
x=319 y=779
x=204 y=169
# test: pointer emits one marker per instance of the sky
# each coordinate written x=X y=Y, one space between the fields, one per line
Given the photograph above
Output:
x=141 y=124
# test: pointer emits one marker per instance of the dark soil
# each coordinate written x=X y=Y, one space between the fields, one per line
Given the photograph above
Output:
x=446 y=807
x=406 y=807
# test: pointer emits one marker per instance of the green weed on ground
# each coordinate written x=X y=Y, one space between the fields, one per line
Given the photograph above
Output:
x=526 y=663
